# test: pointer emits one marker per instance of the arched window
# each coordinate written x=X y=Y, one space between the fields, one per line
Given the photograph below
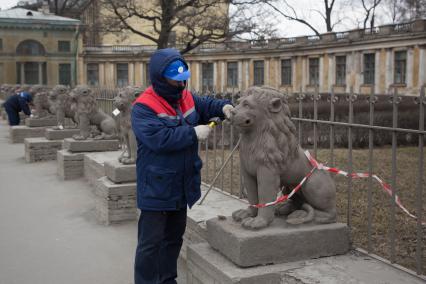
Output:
x=30 y=47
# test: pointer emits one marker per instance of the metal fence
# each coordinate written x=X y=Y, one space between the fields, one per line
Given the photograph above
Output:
x=375 y=134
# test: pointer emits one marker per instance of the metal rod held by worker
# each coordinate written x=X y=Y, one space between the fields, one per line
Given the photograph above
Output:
x=220 y=171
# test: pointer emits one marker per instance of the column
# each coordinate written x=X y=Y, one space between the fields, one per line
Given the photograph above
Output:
x=377 y=72
x=22 y=72
x=331 y=71
x=357 y=71
x=215 y=75
x=224 y=76
x=388 y=69
x=240 y=74
x=40 y=73
x=305 y=74
x=266 y=80
x=349 y=72
x=131 y=73
x=422 y=66
x=409 y=70
x=320 y=73
x=101 y=74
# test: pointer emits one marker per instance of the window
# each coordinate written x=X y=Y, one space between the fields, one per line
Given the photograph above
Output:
x=207 y=76
x=64 y=46
x=400 y=67
x=232 y=73
x=340 y=70
x=122 y=74
x=369 y=67
x=1 y=44
x=30 y=47
x=286 y=72
x=258 y=73
x=92 y=74
x=314 y=71
x=31 y=73
x=65 y=74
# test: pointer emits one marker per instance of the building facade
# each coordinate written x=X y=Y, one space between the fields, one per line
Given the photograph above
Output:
x=373 y=60
x=38 y=48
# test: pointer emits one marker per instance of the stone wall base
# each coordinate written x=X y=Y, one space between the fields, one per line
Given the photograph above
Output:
x=40 y=149
x=18 y=133
x=70 y=165
x=115 y=203
x=94 y=164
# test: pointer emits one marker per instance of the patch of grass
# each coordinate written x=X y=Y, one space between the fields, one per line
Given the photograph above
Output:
x=403 y=229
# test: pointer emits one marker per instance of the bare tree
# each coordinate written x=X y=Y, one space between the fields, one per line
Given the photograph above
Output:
x=68 y=8
x=370 y=10
x=290 y=13
x=404 y=10
x=190 y=22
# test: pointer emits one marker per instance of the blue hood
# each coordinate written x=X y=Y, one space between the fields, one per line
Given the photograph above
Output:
x=158 y=63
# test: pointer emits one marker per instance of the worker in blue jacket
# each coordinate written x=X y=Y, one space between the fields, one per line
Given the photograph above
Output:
x=168 y=122
x=16 y=103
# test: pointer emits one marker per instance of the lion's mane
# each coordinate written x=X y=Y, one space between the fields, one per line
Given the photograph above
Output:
x=275 y=143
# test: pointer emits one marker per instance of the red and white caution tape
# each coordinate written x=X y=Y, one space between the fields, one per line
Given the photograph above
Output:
x=386 y=187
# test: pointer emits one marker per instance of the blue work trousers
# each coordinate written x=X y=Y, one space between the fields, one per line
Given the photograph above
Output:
x=13 y=116
x=160 y=237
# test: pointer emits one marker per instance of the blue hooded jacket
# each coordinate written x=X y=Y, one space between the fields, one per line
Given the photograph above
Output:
x=18 y=102
x=168 y=166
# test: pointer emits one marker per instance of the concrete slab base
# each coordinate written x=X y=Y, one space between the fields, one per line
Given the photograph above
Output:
x=205 y=265
x=119 y=173
x=94 y=164
x=278 y=243
x=40 y=122
x=40 y=149
x=115 y=203
x=90 y=145
x=70 y=165
x=18 y=133
x=53 y=134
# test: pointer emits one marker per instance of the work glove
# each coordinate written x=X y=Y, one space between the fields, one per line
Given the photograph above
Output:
x=202 y=132
x=227 y=111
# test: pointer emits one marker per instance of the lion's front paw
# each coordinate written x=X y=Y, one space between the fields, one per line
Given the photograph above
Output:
x=255 y=223
x=297 y=217
x=127 y=161
x=241 y=214
x=79 y=137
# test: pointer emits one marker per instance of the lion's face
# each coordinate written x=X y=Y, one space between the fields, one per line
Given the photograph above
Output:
x=80 y=92
x=247 y=113
x=123 y=99
x=58 y=91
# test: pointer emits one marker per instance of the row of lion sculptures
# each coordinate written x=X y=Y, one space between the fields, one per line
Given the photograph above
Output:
x=271 y=158
x=79 y=105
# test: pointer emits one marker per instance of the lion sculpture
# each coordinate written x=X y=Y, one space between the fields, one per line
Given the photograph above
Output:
x=61 y=104
x=87 y=113
x=271 y=160
x=40 y=96
x=123 y=102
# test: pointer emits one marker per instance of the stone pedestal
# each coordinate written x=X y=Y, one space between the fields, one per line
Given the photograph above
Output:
x=278 y=243
x=119 y=173
x=40 y=122
x=40 y=149
x=116 y=193
x=57 y=134
x=18 y=133
x=90 y=145
x=94 y=164
x=115 y=203
x=70 y=165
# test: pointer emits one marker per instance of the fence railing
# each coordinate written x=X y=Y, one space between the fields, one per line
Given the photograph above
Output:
x=374 y=134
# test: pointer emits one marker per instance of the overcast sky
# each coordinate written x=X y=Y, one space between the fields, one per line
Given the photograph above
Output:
x=348 y=16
